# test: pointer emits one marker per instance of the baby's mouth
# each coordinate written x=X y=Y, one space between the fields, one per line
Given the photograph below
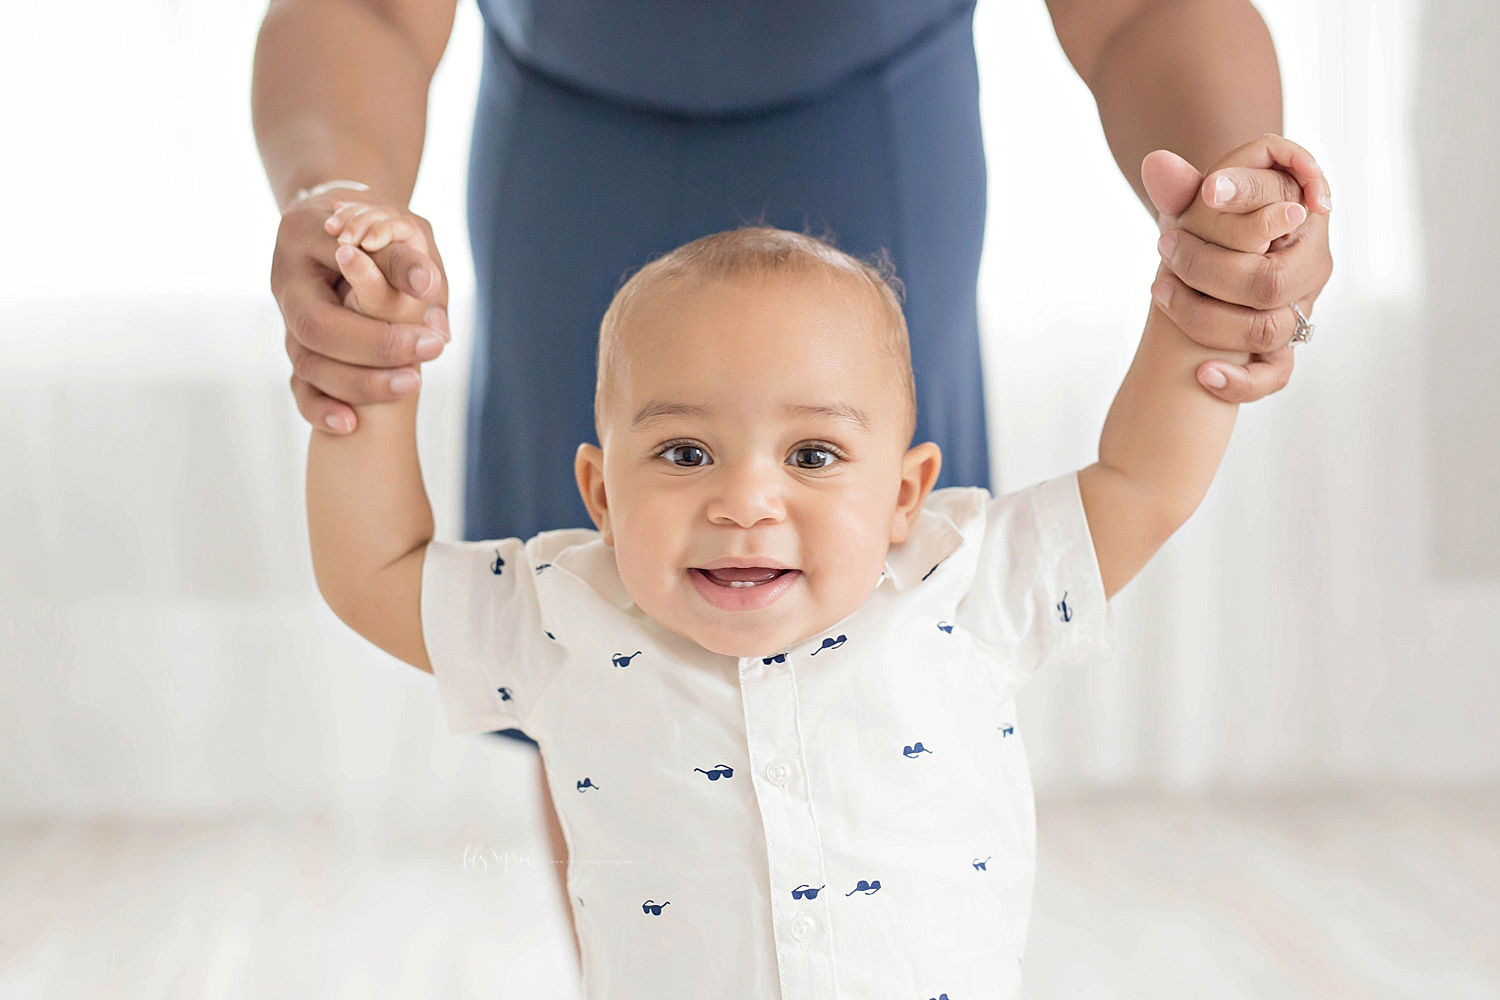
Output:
x=742 y=577
x=743 y=588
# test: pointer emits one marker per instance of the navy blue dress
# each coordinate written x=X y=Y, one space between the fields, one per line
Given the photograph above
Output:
x=609 y=132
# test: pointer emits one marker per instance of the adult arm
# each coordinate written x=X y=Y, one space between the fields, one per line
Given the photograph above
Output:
x=1200 y=77
x=340 y=92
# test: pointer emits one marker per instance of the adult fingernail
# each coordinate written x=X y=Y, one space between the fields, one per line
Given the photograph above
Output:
x=344 y=254
x=1223 y=191
x=420 y=279
x=429 y=346
x=1161 y=292
x=336 y=422
x=1296 y=215
x=437 y=318
x=1213 y=378
x=405 y=382
x=1326 y=202
x=1167 y=245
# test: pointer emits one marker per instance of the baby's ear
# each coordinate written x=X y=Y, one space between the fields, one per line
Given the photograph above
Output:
x=588 y=468
x=919 y=471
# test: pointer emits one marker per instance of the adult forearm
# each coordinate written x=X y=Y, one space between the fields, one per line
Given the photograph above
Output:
x=1198 y=77
x=339 y=92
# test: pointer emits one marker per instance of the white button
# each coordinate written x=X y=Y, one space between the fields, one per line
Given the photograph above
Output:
x=803 y=926
x=778 y=772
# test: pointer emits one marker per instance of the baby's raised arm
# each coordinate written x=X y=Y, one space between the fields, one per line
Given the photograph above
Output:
x=1161 y=445
x=368 y=517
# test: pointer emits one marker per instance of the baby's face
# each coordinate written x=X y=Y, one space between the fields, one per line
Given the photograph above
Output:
x=754 y=467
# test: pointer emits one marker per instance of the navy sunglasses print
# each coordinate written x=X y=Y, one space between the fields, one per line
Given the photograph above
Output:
x=721 y=771
x=623 y=659
x=586 y=783
x=652 y=907
x=1063 y=609
x=504 y=693
x=980 y=865
x=778 y=658
x=940 y=996
x=865 y=887
x=915 y=749
x=803 y=890
x=945 y=627
x=498 y=566
x=831 y=643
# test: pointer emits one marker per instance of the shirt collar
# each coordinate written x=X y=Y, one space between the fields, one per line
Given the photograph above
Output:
x=933 y=538
x=593 y=562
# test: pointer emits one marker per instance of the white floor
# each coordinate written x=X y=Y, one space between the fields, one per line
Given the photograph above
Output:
x=1342 y=893
x=1335 y=893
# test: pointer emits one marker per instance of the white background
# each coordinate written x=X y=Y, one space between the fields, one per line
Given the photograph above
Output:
x=1332 y=612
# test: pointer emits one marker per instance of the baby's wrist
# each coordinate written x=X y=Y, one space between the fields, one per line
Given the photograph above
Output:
x=387 y=416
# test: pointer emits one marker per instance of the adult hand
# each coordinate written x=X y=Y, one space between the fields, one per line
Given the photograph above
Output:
x=1228 y=281
x=341 y=359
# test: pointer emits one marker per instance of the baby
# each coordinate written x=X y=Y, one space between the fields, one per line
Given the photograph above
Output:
x=774 y=689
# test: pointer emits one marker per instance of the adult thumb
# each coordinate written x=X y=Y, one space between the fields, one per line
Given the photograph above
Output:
x=1170 y=181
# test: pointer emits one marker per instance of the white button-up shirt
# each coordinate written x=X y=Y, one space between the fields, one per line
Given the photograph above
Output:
x=851 y=817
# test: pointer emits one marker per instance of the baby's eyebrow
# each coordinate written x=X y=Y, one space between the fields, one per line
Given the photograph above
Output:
x=836 y=411
x=656 y=409
x=659 y=409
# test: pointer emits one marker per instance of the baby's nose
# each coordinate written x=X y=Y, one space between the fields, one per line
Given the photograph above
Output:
x=750 y=494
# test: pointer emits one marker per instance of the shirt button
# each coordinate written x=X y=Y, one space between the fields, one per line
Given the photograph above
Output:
x=803 y=926
x=778 y=772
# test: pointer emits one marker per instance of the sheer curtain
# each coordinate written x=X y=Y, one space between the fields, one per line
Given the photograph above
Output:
x=162 y=649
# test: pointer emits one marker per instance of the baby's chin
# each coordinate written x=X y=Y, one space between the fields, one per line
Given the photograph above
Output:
x=741 y=643
x=747 y=634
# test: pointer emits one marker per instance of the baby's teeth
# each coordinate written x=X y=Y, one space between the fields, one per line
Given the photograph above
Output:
x=742 y=583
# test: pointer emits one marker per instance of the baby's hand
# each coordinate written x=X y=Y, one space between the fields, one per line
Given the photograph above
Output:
x=373 y=227
x=363 y=229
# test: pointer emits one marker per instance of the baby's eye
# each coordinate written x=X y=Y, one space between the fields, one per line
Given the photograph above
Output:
x=813 y=458
x=686 y=455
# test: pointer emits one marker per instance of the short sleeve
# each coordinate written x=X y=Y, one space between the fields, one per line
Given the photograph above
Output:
x=482 y=624
x=1037 y=597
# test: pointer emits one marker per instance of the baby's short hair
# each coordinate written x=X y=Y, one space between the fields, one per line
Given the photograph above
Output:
x=760 y=250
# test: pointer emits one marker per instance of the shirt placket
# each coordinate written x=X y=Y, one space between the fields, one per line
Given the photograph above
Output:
x=794 y=854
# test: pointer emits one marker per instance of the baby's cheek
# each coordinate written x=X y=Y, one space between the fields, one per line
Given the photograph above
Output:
x=851 y=553
x=645 y=571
